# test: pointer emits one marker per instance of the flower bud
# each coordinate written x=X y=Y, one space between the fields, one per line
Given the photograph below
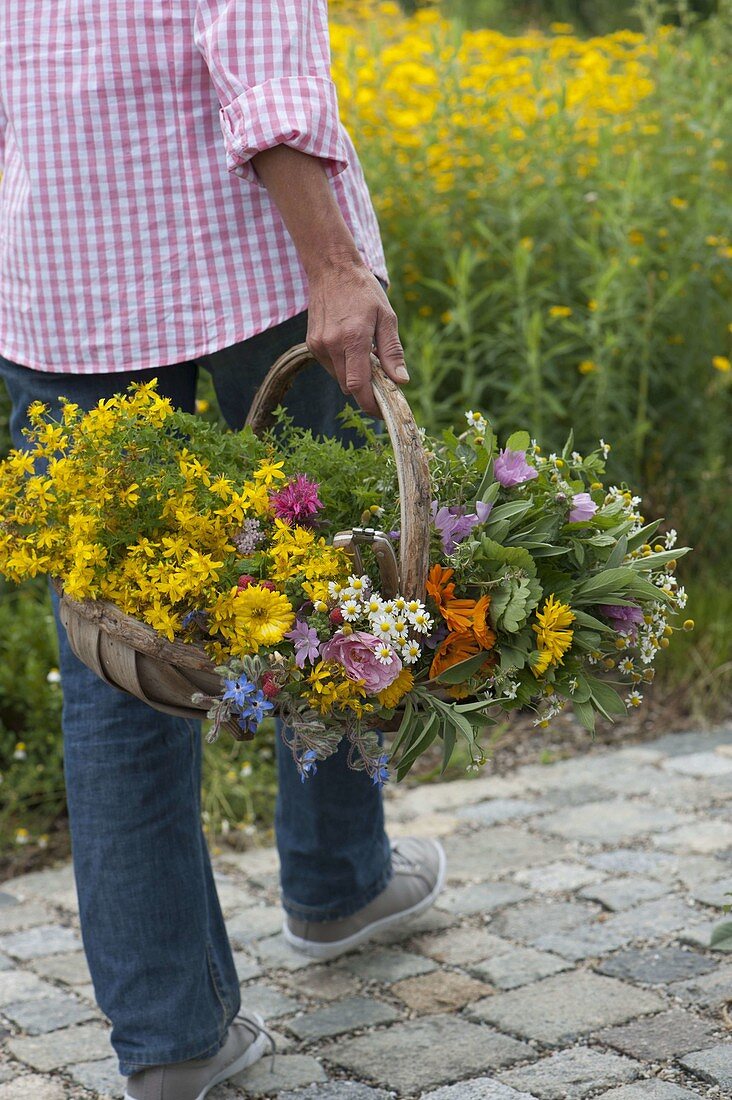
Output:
x=336 y=616
x=688 y=624
x=245 y=580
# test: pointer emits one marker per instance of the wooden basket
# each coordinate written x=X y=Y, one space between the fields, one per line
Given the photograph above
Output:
x=131 y=656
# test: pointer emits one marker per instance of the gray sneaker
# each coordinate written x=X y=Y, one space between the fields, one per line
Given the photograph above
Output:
x=245 y=1044
x=419 y=875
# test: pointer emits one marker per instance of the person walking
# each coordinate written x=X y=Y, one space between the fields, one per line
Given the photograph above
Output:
x=178 y=195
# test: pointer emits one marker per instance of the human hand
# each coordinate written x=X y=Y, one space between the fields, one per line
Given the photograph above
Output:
x=349 y=315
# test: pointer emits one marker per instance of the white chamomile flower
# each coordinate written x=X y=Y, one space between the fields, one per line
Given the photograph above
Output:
x=681 y=597
x=400 y=604
x=400 y=625
x=670 y=540
x=384 y=653
x=626 y=665
x=388 y=607
x=374 y=605
x=54 y=676
x=358 y=585
x=553 y=457
x=350 y=609
x=413 y=606
x=422 y=622
x=576 y=457
x=573 y=684
x=476 y=420
x=510 y=689
x=605 y=448
x=410 y=652
x=634 y=698
x=334 y=589
x=383 y=626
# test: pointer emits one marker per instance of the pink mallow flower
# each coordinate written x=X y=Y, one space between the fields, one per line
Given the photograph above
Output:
x=297 y=502
x=357 y=653
x=583 y=507
x=306 y=642
x=454 y=524
x=511 y=468
x=623 y=619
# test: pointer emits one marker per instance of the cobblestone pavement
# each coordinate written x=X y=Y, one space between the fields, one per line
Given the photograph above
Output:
x=567 y=958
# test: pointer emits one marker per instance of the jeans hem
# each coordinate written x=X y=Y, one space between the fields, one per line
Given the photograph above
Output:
x=344 y=909
x=127 y=1069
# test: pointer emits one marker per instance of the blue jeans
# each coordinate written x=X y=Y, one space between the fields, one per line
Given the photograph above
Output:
x=151 y=922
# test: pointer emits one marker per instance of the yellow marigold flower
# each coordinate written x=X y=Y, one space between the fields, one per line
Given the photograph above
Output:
x=678 y=203
x=636 y=237
x=264 y=615
x=587 y=366
x=391 y=695
x=202 y=406
x=560 y=311
x=592 y=304
x=721 y=363
x=553 y=638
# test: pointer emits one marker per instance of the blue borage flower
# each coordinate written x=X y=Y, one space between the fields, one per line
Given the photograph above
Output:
x=306 y=765
x=381 y=775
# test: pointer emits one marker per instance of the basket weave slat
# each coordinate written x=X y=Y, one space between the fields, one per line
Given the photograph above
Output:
x=128 y=654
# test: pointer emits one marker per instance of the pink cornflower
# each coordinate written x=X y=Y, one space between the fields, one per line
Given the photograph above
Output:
x=297 y=502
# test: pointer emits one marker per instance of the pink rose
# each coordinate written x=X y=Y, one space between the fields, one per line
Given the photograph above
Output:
x=357 y=653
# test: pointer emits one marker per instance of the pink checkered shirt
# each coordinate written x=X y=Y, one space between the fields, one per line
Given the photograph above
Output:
x=131 y=236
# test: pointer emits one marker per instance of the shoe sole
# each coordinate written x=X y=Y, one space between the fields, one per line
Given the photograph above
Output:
x=337 y=947
x=251 y=1055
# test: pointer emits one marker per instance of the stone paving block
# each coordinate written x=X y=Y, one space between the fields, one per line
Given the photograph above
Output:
x=275 y=953
x=708 y=991
x=290 y=1071
x=699 y=934
x=589 y=942
x=713 y=1065
x=531 y=922
x=650 y=1090
x=269 y=1001
x=715 y=894
x=442 y=991
x=678 y=744
x=656 y=1038
x=86 y=1043
x=26 y=915
x=558 y=878
x=518 y=967
x=5 y=963
x=55 y=1011
x=490 y=853
x=46 y=939
x=462 y=945
x=386 y=964
x=623 y=893
x=484 y=897
x=704 y=837
x=32 y=1087
x=246 y=966
x=657 y=965
x=340 y=1016
x=101 y=1077
x=610 y=822
x=432 y=920
x=480 y=1088
x=497 y=810
x=565 y=1007
x=572 y=1074
x=7 y=900
x=633 y=862
x=648 y=921
x=696 y=871
x=70 y=967
x=424 y=1053
x=322 y=983
x=700 y=764
x=21 y=985
x=336 y=1090
x=425 y=798
x=575 y=795
x=253 y=924
x=425 y=825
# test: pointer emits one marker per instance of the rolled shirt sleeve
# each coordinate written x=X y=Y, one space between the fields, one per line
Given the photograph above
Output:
x=269 y=61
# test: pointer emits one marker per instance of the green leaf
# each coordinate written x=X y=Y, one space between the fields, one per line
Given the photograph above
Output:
x=449 y=738
x=581 y=618
x=652 y=561
x=566 y=450
x=606 y=699
x=510 y=509
x=618 y=553
x=644 y=535
x=422 y=742
x=585 y=713
x=721 y=938
x=607 y=583
x=518 y=441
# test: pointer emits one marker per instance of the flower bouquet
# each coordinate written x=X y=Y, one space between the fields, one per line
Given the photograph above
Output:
x=267 y=564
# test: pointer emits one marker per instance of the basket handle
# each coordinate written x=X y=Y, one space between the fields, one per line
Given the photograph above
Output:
x=411 y=462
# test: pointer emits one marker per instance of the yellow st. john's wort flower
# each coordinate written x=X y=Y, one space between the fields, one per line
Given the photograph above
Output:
x=331 y=690
x=553 y=638
x=397 y=689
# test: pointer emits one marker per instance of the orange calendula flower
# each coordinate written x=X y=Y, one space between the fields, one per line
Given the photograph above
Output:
x=453 y=649
x=439 y=585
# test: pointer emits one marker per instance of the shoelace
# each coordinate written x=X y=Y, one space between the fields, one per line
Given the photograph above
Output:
x=400 y=862
x=257 y=1029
